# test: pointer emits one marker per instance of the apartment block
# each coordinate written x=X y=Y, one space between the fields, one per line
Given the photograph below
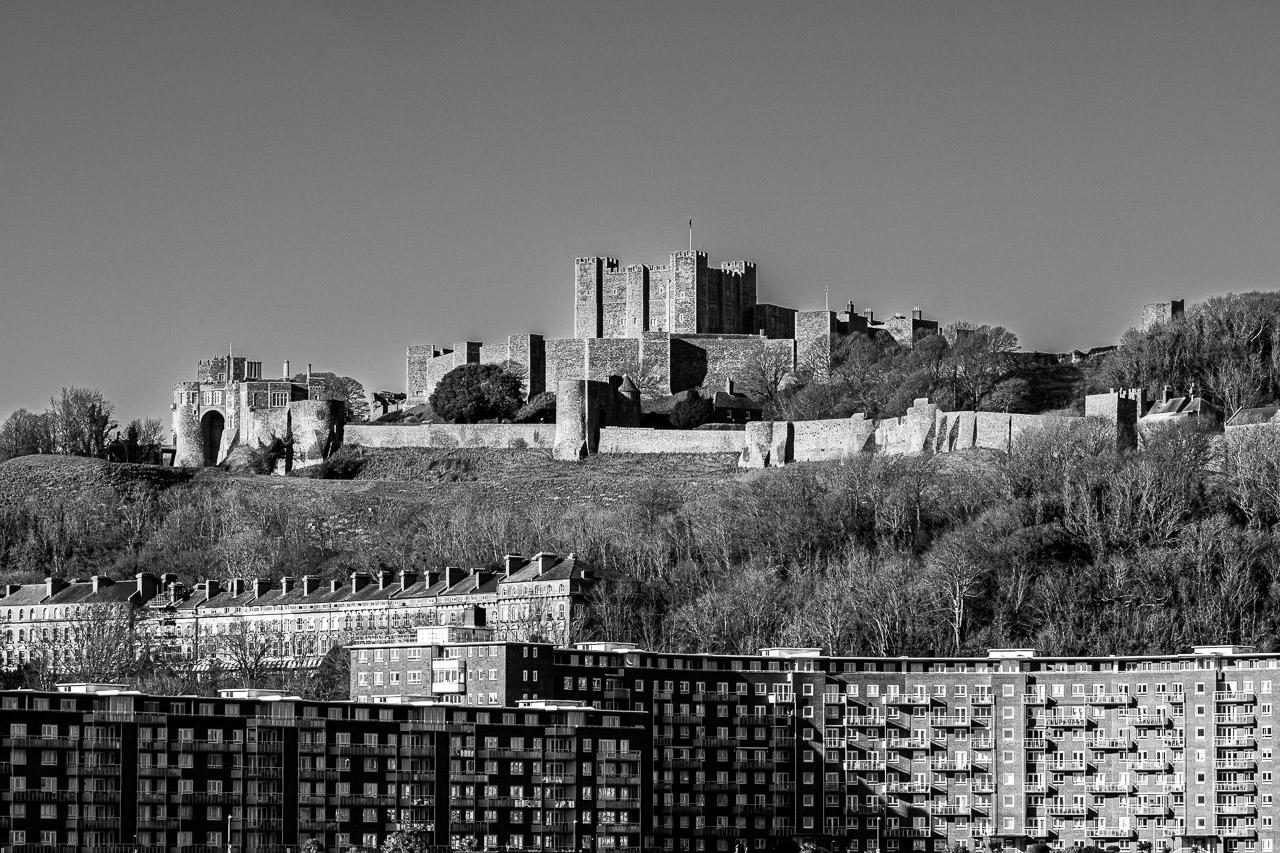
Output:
x=908 y=754
x=100 y=769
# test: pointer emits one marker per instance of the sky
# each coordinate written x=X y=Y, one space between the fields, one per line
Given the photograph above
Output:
x=331 y=182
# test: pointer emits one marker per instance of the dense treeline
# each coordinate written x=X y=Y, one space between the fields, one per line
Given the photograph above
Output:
x=1065 y=545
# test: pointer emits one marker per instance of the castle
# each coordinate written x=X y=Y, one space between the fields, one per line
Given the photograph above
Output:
x=231 y=405
x=670 y=328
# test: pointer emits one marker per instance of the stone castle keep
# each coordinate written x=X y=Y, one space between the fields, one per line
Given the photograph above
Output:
x=231 y=405
x=670 y=328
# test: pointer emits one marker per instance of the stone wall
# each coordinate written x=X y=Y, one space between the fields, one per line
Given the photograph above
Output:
x=450 y=435
x=820 y=441
x=640 y=440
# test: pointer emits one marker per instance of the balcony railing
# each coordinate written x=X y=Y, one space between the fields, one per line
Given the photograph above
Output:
x=1111 y=743
x=1067 y=809
x=1237 y=696
x=949 y=720
x=1238 y=719
x=1116 y=698
x=1235 y=786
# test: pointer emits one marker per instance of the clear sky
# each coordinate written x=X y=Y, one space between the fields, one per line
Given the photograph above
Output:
x=330 y=182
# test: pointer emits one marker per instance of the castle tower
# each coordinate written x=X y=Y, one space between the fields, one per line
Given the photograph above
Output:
x=588 y=295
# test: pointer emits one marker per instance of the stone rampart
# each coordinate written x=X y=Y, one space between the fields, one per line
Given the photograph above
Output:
x=642 y=440
x=451 y=435
x=820 y=441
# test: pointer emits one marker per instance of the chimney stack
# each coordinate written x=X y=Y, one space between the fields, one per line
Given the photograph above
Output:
x=916 y=313
x=433 y=578
x=52 y=586
x=333 y=586
x=359 y=580
x=869 y=314
x=511 y=564
x=310 y=583
x=237 y=587
x=260 y=587
x=408 y=578
x=286 y=585
x=147 y=585
x=286 y=368
x=728 y=385
x=545 y=561
x=211 y=588
x=453 y=575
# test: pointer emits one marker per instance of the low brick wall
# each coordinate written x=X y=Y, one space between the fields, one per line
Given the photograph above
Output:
x=641 y=440
x=451 y=435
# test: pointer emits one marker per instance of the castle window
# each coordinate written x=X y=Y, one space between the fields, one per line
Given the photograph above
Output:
x=217 y=398
x=279 y=399
x=222 y=377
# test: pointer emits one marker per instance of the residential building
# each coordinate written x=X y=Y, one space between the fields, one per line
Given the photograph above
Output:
x=907 y=754
x=98 y=768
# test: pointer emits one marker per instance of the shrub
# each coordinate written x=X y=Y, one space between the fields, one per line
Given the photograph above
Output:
x=476 y=392
x=691 y=412
x=540 y=410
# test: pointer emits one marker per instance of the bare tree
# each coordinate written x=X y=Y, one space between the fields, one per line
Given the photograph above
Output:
x=766 y=375
x=249 y=650
x=98 y=643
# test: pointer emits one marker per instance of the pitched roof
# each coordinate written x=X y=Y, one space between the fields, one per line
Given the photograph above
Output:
x=1258 y=415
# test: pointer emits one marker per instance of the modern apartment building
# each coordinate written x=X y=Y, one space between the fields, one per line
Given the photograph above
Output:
x=906 y=754
x=104 y=770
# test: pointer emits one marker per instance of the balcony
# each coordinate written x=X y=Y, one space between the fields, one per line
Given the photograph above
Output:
x=909 y=832
x=949 y=721
x=1034 y=699
x=1238 y=831
x=1235 y=786
x=1242 y=809
x=1034 y=743
x=911 y=700
x=1243 y=697
x=1077 y=766
x=1065 y=721
x=1067 y=809
x=864 y=721
x=907 y=788
x=1035 y=784
x=1111 y=699
x=951 y=809
x=1148 y=721
x=948 y=765
x=1171 y=698
x=1239 y=719
x=982 y=699
x=1241 y=762
x=1109 y=786
x=1037 y=829
x=1107 y=744
x=1111 y=832
x=1148 y=765
x=1152 y=809
x=1235 y=741
x=983 y=742
x=901 y=743
x=864 y=765
x=982 y=785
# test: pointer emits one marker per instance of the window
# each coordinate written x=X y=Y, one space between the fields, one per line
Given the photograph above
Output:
x=279 y=399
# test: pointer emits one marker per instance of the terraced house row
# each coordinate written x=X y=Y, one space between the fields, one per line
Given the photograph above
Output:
x=525 y=597
x=904 y=754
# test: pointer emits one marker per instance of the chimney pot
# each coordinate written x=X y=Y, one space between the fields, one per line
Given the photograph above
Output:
x=286 y=368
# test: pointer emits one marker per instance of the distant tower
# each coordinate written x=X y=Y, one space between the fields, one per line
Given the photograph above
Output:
x=1154 y=313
